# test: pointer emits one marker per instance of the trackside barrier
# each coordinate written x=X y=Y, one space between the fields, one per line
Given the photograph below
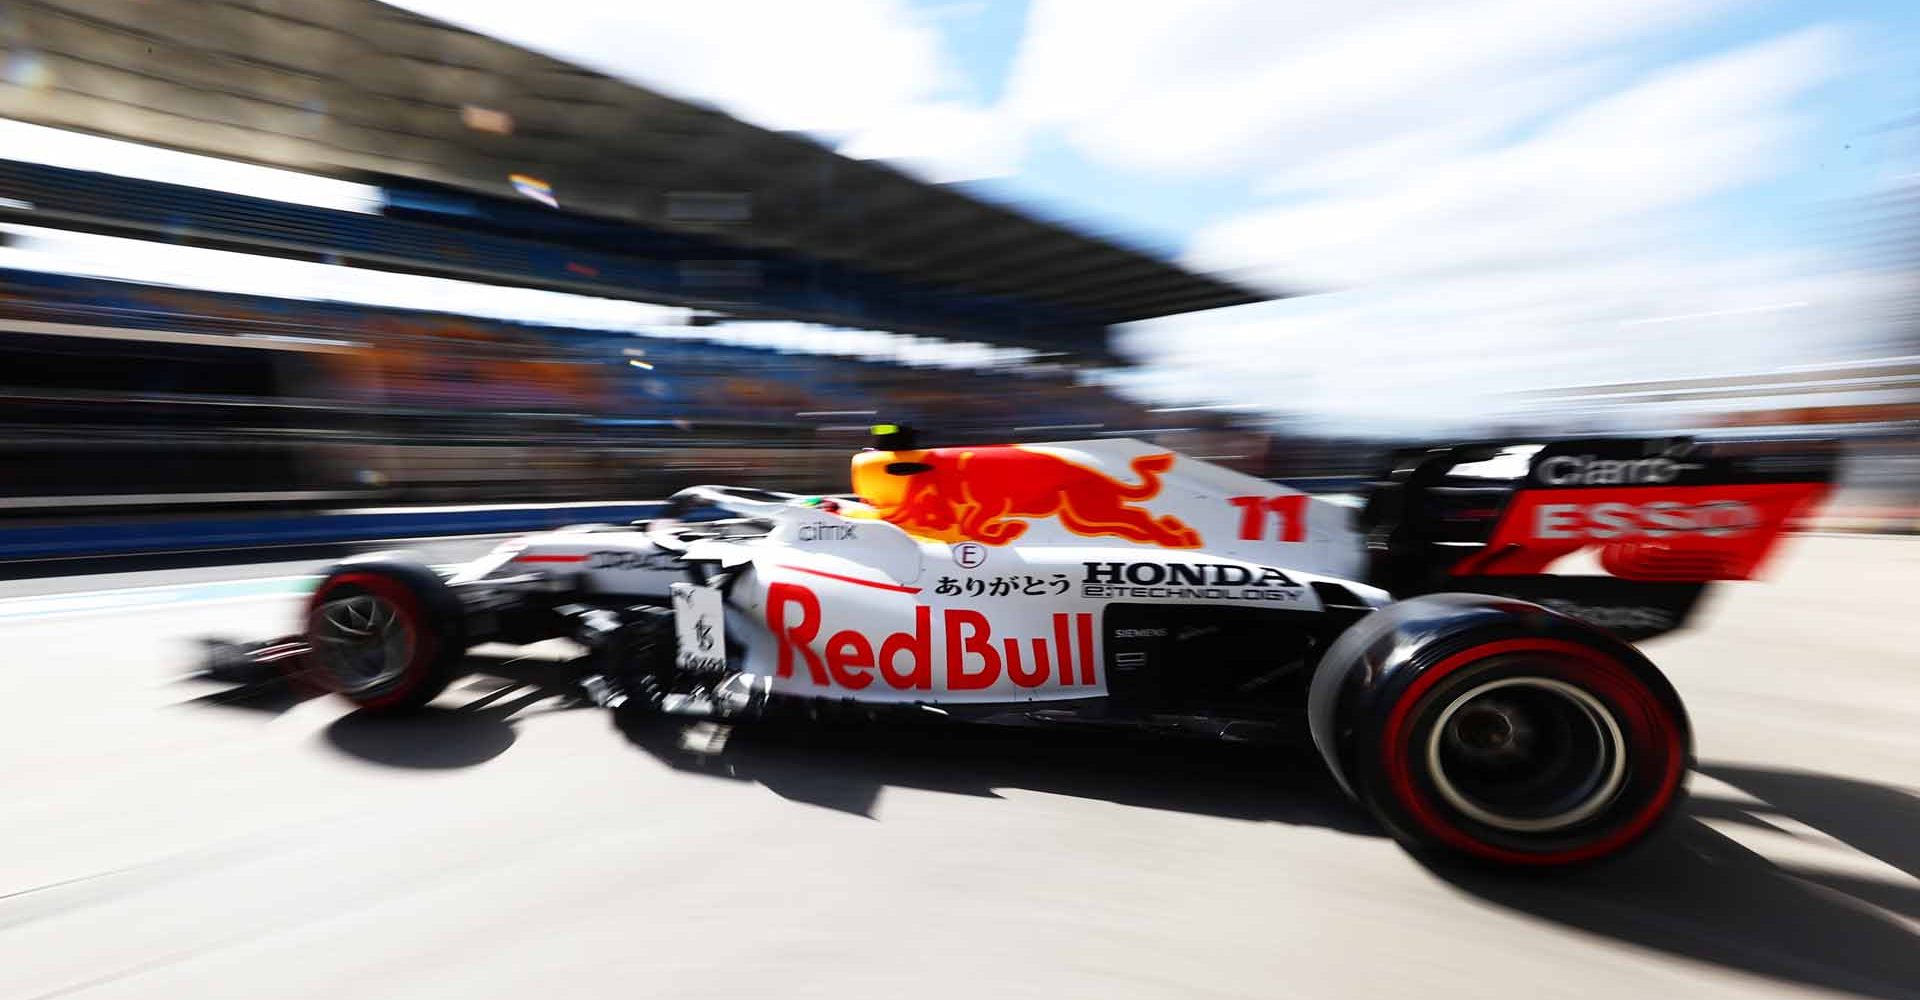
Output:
x=333 y=527
x=336 y=527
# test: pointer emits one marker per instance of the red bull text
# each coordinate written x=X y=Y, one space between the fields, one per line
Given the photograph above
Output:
x=974 y=659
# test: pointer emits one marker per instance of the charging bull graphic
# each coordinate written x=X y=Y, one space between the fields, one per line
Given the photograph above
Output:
x=989 y=494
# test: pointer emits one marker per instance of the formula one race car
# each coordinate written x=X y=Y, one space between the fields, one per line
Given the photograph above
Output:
x=1475 y=703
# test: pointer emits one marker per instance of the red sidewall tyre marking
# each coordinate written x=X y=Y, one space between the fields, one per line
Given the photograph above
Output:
x=1650 y=730
x=425 y=644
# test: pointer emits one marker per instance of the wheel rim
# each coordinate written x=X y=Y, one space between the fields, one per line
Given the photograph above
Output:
x=362 y=641
x=1527 y=754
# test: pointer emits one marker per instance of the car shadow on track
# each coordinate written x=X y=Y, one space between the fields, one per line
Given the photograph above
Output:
x=439 y=736
x=472 y=733
x=848 y=768
x=1690 y=891
x=1695 y=892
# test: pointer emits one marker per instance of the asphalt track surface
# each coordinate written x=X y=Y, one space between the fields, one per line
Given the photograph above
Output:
x=161 y=838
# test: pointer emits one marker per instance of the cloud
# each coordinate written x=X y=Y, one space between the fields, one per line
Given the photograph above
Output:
x=1590 y=182
x=943 y=142
x=1480 y=261
x=869 y=76
x=1223 y=86
x=1455 y=355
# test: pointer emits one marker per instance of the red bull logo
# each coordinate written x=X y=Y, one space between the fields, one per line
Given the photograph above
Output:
x=989 y=495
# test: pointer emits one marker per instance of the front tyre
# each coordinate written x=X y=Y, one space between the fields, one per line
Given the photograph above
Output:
x=1499 y=731
x=385 y=633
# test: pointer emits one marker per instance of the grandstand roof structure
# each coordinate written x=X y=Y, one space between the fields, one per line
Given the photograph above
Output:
x=360 y=90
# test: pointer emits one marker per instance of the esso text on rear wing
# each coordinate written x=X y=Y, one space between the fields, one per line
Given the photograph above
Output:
x=1662 y=518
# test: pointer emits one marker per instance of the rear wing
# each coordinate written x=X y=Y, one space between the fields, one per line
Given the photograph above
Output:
x=1660 y=518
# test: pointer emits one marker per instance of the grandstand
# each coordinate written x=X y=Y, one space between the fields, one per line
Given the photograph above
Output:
x=472 y=159
x=181 y=395
x=657 y=199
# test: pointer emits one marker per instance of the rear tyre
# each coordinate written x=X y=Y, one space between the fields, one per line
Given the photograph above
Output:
x=1499 y=731
x=385 y=633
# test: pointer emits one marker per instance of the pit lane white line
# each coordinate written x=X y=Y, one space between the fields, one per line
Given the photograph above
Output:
x=126 y=598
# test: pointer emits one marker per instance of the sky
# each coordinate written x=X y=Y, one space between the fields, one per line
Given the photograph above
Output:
x=1486 y=196
x=1465 y=200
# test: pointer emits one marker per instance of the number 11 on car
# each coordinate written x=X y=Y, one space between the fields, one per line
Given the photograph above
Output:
x=1287 y=515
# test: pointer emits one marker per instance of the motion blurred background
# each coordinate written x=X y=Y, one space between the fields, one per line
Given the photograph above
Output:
x=260 y=257
x=280 y=279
